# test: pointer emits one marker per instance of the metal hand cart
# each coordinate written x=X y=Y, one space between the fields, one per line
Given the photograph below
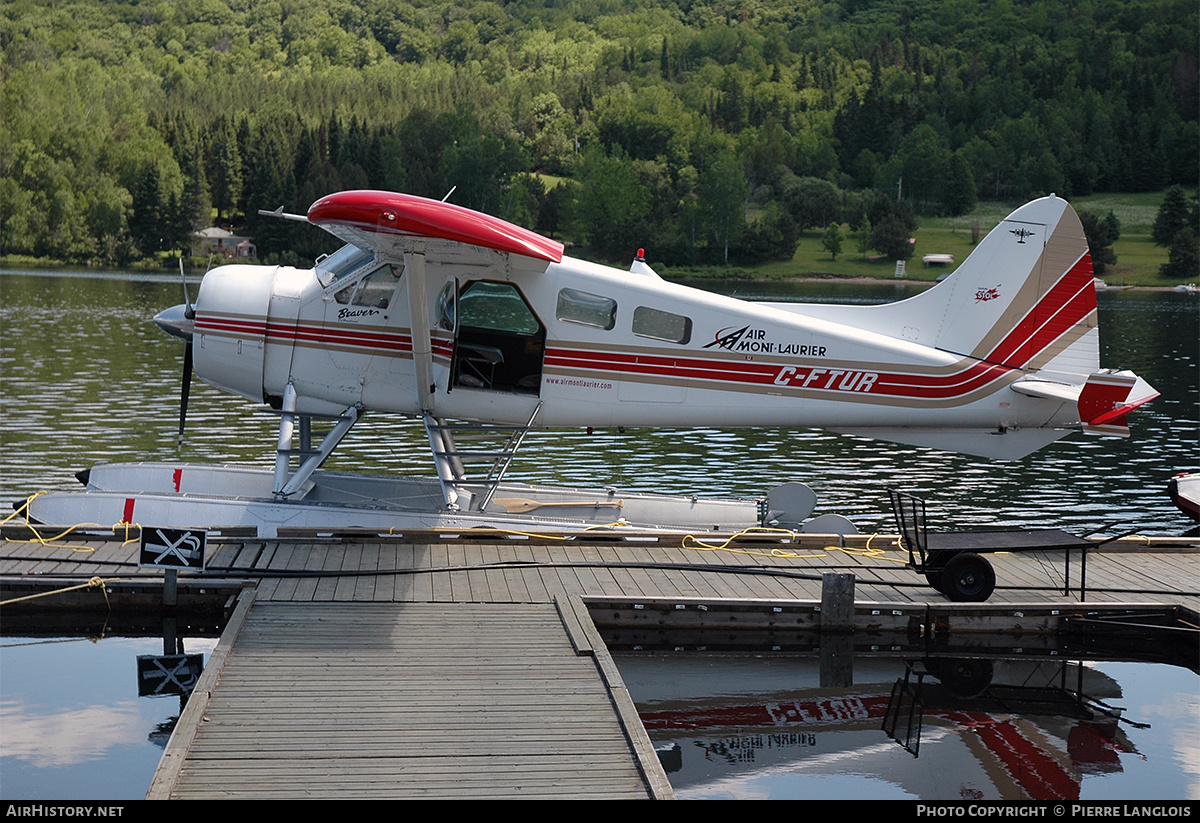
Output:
x=952 y=561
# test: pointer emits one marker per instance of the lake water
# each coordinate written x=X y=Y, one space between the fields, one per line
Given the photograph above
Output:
x=87 y=378
x=769 y=727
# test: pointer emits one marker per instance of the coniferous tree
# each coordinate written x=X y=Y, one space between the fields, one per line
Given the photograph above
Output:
x=831 y=241
x=1172 y=216
x=224 y=167
x=1101 y=233
x=148 y=222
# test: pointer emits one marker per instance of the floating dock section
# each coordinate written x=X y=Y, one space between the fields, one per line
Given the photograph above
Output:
x=409 y=700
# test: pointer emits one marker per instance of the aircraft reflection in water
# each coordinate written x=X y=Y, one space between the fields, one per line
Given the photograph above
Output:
x=993 y=730
x=457 y=318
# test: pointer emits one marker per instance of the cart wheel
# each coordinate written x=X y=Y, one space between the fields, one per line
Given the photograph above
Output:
x=968 y=578
x=936 y=566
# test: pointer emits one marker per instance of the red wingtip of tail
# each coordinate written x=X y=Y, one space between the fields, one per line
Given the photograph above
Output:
x=1117 y=416
x=1108 y=398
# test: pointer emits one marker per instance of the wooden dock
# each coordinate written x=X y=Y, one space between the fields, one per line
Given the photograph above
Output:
x=409 y=700
x=440 y=665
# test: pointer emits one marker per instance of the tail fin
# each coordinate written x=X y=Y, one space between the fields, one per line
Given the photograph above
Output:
x=1023 y=301
x=1024 y=298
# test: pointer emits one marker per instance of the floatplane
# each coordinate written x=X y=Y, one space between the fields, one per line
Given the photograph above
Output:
x=479 y=328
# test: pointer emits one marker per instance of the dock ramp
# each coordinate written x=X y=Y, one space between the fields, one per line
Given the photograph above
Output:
x=408 y=700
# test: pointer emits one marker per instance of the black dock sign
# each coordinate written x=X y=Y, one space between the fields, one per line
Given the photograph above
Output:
x=172 y=548
x=160 y=676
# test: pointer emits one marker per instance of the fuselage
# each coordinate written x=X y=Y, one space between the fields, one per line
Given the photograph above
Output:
x=595 y=346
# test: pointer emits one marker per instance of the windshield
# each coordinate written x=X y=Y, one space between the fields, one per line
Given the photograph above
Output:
x=345 y=261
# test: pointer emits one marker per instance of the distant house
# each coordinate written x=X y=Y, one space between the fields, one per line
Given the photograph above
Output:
x=215 y=240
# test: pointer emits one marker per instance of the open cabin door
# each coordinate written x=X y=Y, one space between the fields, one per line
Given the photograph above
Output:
x=499 y=341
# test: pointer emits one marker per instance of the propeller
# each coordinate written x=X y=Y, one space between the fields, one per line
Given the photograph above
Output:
x=180 y=321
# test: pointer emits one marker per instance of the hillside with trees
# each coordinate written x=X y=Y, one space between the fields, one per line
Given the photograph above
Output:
x=711 y=132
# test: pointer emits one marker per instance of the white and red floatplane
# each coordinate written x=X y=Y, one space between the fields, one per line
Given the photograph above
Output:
x=466 y=322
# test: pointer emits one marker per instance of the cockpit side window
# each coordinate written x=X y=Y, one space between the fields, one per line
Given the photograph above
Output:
x=374 y=290
x=497 y=307
x=447 y=313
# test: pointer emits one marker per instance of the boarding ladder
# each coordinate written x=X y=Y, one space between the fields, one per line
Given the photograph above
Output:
x=455 y=444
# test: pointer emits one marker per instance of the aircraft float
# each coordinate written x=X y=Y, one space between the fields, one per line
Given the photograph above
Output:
x=475 y=326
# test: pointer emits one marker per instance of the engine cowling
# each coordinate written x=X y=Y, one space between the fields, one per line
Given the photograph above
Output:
x=231 y=328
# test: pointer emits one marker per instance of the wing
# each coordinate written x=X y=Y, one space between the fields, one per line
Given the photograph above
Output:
x=389 y=222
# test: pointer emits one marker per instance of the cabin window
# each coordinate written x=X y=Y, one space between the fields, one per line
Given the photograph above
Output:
x=589 y=309
x=661 y=325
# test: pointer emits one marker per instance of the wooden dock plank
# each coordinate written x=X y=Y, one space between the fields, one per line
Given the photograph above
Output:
x=505 y=570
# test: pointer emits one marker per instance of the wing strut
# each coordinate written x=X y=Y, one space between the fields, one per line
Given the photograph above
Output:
x=418 y=309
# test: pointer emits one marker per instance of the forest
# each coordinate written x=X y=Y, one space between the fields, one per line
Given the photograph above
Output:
x=712 y=131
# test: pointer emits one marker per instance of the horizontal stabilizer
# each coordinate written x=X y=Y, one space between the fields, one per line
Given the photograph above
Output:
x=1108 y=398
x=1047 y=389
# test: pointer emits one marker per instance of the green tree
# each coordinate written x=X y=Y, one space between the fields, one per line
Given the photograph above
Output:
x=892 y=227
x=1184 y=259
x=1184 y=254
x=723 y=199
x=811 y=201
x=1101 y=233
x=224 y=171
x=959 y=192
x=480 y=167
x=150 y=221
x=611 y=206
x=1172 y=216
x=831 y=241
x=864 y=237
x=925 y=159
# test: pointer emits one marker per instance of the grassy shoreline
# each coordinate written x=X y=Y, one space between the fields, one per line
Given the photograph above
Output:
x=1137 y=266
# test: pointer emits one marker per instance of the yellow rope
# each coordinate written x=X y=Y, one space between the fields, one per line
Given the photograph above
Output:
x=94 y=583
x=518 y=533
x=693 y=543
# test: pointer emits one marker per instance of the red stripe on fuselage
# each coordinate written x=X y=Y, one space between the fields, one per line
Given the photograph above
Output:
x=1060 y=309
x=354 y=338
x=368 y=340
